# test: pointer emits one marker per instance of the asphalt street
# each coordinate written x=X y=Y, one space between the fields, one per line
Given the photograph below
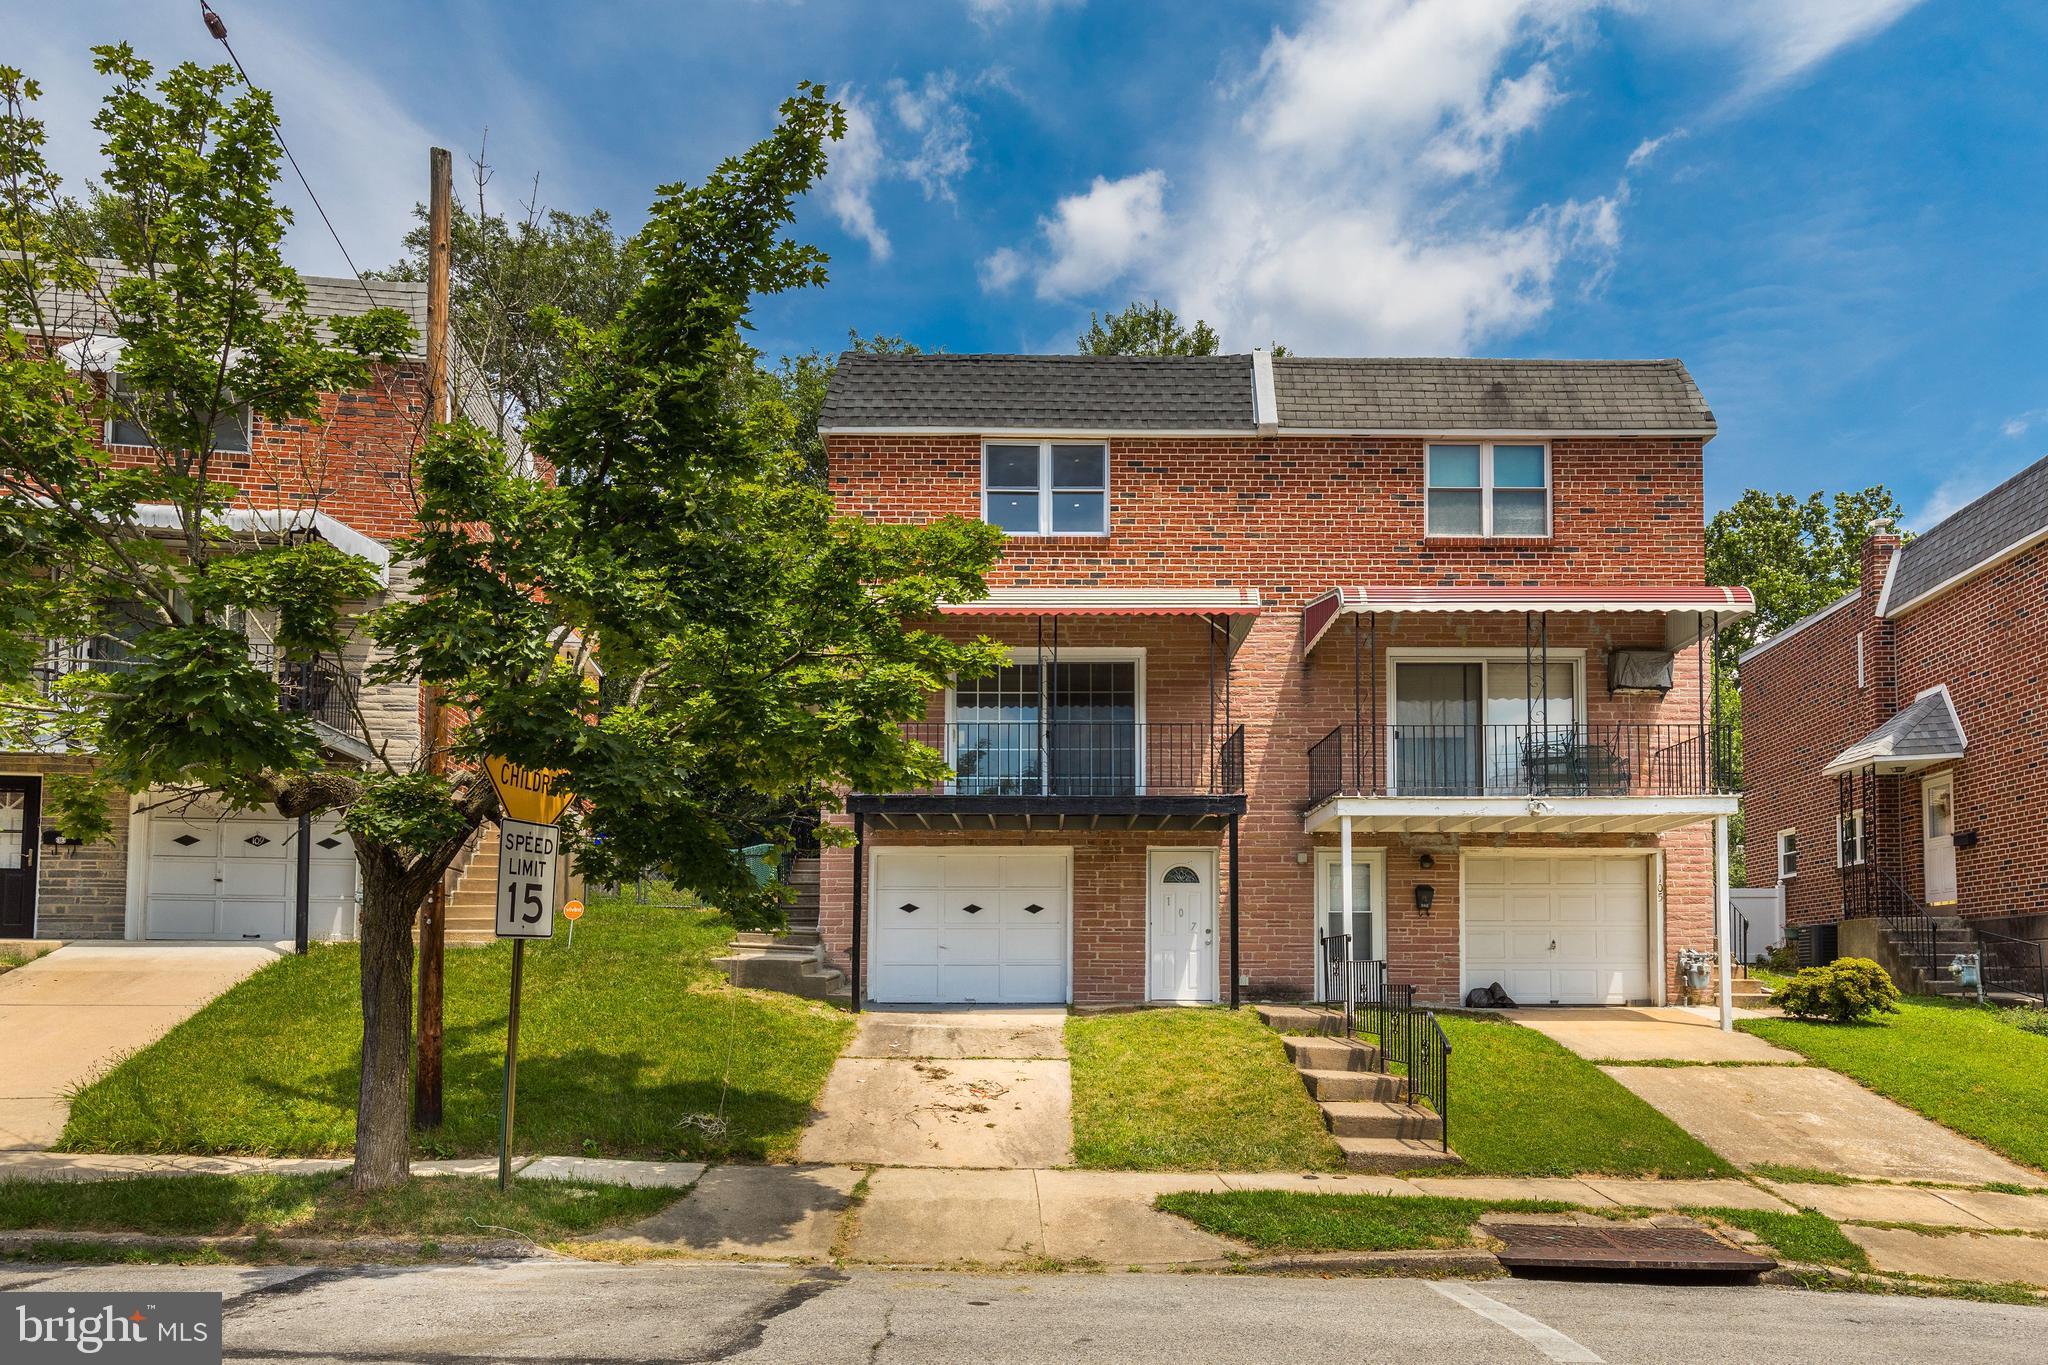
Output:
x=673 y=1312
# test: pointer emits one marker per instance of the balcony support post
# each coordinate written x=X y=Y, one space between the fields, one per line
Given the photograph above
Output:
x=860 y=859
x=1372 y=673
x=1345 y=898
x=1236 y=976
x=1357 y=719
x=1722 y=922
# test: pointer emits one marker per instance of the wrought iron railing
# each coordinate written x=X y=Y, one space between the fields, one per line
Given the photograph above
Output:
x=321 y=689
x=1085 y=757
x=1593 y=758
x=1870 y=892
x=2012 y=966
x=1402 y=1033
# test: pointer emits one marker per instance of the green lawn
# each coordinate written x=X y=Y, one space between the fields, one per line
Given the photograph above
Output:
x=1958 y=1064
x=1809 y=1237
x=624 y=1042
x=1285 y=1220
x=321 y=1205
x=1190 y=1089
x=1523 y=1105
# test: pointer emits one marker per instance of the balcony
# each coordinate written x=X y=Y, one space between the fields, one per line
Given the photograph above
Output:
x=1070 y=774
x=322 y=690
x=1579 y=778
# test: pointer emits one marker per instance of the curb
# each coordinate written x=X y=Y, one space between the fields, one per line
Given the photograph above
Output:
x=324 y=1248
x=1453 y=1261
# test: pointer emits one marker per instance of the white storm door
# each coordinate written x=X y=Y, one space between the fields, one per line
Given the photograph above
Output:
x=1180 y=925
x=1363 y=925
x=1938 y=838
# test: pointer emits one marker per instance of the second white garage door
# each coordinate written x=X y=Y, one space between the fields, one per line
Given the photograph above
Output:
x=237 y=878
x=1557 y=930
x=982 y=926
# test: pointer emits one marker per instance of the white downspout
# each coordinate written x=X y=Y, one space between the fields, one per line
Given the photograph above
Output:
x=1722 y=920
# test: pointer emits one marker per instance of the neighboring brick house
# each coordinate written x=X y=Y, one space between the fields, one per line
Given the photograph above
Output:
x=1895 y=747
x=180 y=870
x=1438 y=621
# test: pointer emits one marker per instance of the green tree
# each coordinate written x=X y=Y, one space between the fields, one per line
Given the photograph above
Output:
x=798 y=384
x=514 y=283
x=1797 y=555
x=754 y=643
x=1150 y=329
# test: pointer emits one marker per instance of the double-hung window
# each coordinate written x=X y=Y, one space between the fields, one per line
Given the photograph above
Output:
x=124 y=428
x=1488 y=489
x=1046 y=488
x=1850 y=847
x=1788 y=854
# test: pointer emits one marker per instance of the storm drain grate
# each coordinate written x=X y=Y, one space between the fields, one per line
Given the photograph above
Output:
x=1548 y=1246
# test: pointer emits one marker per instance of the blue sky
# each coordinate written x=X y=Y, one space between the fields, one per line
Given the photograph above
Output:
x=1831 y=209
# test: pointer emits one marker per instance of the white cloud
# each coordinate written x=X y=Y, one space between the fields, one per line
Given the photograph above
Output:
x=1095 y=238
x=856 y=163
x=2019 y=424
x=945 y=143
x=1647 y=149
x=991 y=12
x=1349 y=203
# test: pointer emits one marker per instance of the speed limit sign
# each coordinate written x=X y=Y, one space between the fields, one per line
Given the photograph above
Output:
x=526 y=879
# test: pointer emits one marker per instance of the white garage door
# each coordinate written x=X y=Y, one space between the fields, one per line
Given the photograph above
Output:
x=1558 y=931
x=237 y=878
x=976 y=925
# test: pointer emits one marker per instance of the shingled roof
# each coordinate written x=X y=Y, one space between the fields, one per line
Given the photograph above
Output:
x=985 y=393
x=1925 y=732
x=1041 y=392
x=2009 y=514
x=1386 y=394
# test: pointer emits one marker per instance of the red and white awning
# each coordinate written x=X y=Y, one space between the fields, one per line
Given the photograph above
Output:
x=1239 y=607
x=1685 y=609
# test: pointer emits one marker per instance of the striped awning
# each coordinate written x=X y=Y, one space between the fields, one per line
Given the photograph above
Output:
x=1111 y=602
x=1684 y=607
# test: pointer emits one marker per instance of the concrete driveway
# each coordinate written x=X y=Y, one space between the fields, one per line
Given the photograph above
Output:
x=955 y=1088
x=1754 y=1103
x=67 y=1017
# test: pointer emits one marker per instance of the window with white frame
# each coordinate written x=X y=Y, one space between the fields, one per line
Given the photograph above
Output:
x=1849 y=841
x=1046 y=488
x=1487 y=488
x=1788 y=854
x=125 y=427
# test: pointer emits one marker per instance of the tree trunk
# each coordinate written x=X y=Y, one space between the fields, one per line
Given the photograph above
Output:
x=383 y=1098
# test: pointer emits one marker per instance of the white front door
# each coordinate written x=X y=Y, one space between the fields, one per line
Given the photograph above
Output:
x=1181 y=925
x=975 y=925
x=1557 y=929
x=1364 y=942
x=1938 y=838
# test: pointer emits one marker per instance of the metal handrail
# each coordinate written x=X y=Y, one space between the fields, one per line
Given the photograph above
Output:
x=1084 y=757
x=1581 y=758
x=1904 y=916
x=2016 y=966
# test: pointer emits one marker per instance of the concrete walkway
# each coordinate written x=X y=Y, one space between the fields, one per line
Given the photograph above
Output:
x=956 y=1088
x=70 y=1015
x=1755 y=1103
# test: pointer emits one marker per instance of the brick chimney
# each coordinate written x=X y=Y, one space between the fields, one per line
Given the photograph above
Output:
x=1878 y=550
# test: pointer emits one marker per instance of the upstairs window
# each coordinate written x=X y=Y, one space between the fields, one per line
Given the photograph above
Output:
x=1850 y=847
x=1788 y=854
x=1488 y=489
x=1046 y=488
x=230 y=430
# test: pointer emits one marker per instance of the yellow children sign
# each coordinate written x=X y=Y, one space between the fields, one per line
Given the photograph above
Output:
x=528 y=794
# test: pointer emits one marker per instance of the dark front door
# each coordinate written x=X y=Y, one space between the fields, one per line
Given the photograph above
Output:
x=20 y=801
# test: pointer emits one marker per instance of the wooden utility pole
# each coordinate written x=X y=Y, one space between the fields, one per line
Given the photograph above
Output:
x=426 y=1084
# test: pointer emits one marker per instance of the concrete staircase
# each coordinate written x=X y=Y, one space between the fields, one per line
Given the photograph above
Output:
x=1747 y=993
x=1916 y=973
x=793 y=963
x=473 y=904
x=1365 y=1108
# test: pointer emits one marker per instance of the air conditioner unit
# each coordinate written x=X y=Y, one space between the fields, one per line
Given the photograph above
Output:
x=1639 y=672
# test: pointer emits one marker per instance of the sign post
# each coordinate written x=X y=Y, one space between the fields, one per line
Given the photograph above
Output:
x=529 y=849
x=572 y=912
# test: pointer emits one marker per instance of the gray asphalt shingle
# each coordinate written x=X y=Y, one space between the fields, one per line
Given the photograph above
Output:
x=1398 y=394
x=1050 y=392
x=2001 y=518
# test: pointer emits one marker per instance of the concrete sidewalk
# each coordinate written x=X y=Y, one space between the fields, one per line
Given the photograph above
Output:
x=70 y=1015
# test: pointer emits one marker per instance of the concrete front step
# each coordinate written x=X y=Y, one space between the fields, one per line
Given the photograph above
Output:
x=1378 y=1119
x=788 y=973
x=1393 y=1154
x=1300 y=1018
x=1340 y=1087
x=1331 y=1054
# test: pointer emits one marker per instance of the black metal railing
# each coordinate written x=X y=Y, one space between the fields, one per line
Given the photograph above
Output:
x=1402 y=1033
x=2012 y=966
x=1085 y=757
x=1742 y=939
x=1593 y=758
x=1870 y=892
x=321 y=689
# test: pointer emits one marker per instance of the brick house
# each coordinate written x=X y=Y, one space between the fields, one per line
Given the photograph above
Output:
x=183 y=870
x=1895 y=769
x=1311 y=660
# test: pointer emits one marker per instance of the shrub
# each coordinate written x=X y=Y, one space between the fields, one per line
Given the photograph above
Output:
x=1844 y=991
x=1783 y=959
x=2026 y=1018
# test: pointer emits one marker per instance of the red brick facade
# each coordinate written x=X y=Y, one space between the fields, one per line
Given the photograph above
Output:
x=1985 y=640
x=1292 y=517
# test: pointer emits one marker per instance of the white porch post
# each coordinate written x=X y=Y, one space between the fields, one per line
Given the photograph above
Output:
x=1722 y=921
x=1344 y=899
